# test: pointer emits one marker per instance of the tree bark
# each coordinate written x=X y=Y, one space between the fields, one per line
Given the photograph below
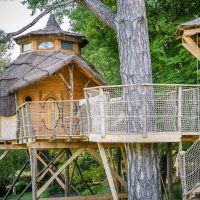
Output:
x=134 y=52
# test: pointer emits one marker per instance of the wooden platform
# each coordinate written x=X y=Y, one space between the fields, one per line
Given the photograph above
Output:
x=77 y=141
x=136 y=138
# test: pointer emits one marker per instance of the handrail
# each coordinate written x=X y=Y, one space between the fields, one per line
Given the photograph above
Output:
x=143 y=84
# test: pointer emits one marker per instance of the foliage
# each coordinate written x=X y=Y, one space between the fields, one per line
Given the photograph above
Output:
x=4 y=47
x=9 y=168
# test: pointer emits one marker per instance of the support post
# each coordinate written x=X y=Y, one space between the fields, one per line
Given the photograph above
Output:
x=108 y=172
x=179 y=108
x=5 y=153
x=33 y=162
x=67 y=176
x=102 y=113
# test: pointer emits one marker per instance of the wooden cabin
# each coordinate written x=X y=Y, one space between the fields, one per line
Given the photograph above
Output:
x=49 y=69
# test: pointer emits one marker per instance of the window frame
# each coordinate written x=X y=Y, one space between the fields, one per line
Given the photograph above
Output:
x=72 y=45
x=45 y=41
x=28 y=43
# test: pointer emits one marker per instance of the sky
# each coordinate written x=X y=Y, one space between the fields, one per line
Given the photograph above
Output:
x=14 y=16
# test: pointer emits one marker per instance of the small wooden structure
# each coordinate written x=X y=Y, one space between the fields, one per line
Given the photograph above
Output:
x=189 y=33
x=42 y=107
x=188 y=161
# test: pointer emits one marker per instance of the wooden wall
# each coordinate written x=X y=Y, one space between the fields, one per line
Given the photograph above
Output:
x=55 y=87
x=57 y=46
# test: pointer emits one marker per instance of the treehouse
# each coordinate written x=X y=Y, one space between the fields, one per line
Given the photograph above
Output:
x=51 y=98
x=41 y=89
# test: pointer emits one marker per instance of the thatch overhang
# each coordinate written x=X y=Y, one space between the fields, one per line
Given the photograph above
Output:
x=35 y=66
x=188 y=25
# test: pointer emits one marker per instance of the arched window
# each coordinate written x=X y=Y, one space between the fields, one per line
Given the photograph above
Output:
x=51 y=113
x=28 y=99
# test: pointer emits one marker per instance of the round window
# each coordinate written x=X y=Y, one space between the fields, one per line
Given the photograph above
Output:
x=28 y=99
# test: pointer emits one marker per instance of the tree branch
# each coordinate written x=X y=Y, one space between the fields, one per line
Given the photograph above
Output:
x=100 y=10
x=39 y=17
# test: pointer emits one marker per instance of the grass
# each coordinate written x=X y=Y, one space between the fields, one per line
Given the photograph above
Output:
x=26 y=196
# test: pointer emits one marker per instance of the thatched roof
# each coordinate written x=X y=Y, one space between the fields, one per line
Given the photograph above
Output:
x=32 y=67
x=52 y=31
x=188 y=25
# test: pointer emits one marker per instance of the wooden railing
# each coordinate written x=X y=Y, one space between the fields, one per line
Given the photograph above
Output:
x=50 y=119
x=143 y=109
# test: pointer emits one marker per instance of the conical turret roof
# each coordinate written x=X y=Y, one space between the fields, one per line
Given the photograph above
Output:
x=52 y=31
x=52 y=24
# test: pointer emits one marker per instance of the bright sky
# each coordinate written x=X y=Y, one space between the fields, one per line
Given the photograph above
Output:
x=14 y=15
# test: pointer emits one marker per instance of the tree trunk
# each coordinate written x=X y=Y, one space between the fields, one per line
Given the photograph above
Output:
x=133 y=41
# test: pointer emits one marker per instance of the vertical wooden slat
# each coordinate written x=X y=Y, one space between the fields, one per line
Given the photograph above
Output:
x=144 y=117
x=108 y=171
x=102 y=112
x=88 y=113
x=179 y=108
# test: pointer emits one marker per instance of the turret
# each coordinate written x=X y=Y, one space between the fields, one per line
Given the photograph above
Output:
x=51 y=38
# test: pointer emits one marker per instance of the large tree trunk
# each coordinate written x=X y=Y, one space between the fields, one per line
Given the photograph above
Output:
x=133 y=40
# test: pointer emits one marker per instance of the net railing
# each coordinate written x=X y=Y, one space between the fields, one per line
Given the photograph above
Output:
x=143 y=109
x=189 y=169
x=51 y=119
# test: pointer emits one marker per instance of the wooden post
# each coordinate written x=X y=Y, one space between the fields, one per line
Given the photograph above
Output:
x=102 y=113
x=5 y=153
x=67 y=176
x=71 y=69
x=144 y=117
x=33 y=162
x=119 y=167
x=88 y=113
x=29 y=123
x=179 y=108
x=108 y=171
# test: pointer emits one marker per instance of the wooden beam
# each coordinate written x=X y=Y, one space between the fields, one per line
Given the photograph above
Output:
x=91 y=197
x=114 y=173
x=45 y=186
x=46 y=169
x=88 y=82
x=33 y=163
x=191 y=32
x=16 y=179
x=51 y=171
x=191 y=46
x=81 y=174
x=5 y=153
x=62 y=145
x=67 y=175
x=61 y=76
x=136 y=138
x=108 y=172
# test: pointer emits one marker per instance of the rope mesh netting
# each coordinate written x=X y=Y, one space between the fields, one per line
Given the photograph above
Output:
x=144 y=109
x=189 y=168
